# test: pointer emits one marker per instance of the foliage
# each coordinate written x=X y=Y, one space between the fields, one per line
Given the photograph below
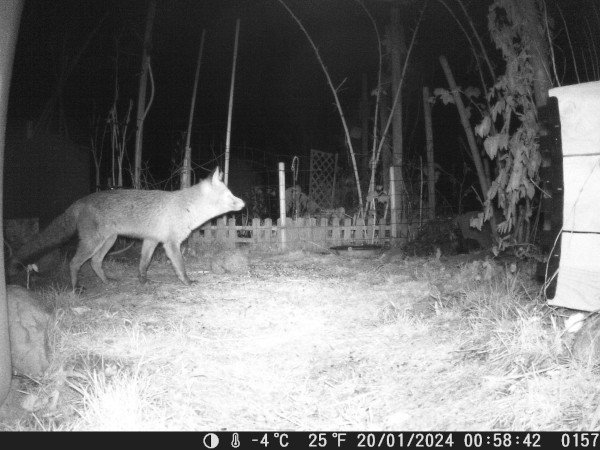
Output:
x=298 y=204
x=379 y=199
x=507 y=117
x=260 y=200
x=471 y=93
x=509 y=128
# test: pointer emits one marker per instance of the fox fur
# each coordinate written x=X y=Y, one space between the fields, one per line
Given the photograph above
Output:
x=153 y=216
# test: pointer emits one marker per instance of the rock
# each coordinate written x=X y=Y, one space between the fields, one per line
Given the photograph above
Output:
x=230 y=261
x=28 y=327
x=394 y=255
x=586 y=345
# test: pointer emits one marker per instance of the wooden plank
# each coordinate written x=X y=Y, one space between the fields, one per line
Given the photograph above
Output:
x=371 y=234
x=312 y=234
x=320 y=233
x=207 y=235
x=298 y=241
x=256 y=230
x=281 y=233
x=360 y=231
x=335 y=231
x=268 y=234
x=221 y=232
x=347 y=232
x=232 y=235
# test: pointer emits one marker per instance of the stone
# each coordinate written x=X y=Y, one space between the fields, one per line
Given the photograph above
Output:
x=230 y=261
x=28 y=327
x=586 y=345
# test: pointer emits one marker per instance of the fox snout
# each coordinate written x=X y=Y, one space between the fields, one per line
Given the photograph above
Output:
x=237 y=204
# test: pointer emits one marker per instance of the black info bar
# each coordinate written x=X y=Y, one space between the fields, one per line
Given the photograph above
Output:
x=369 y=440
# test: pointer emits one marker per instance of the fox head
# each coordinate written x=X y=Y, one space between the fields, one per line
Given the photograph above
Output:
x=217 y=196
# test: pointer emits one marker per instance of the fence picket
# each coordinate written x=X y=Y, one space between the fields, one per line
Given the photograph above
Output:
x=310 y=234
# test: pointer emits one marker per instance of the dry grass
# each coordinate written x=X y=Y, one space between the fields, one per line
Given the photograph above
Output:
x=310 y=342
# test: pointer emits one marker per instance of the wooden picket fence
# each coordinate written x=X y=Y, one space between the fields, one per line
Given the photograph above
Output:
x=309 y=234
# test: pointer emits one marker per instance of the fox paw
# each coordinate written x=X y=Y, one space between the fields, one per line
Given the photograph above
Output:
x=188 y=282
x=78 y=289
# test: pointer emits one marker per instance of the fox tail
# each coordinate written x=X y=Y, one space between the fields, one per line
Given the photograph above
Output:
x=60 y=230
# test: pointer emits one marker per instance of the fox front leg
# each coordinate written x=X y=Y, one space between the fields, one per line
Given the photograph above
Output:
x=173 y=251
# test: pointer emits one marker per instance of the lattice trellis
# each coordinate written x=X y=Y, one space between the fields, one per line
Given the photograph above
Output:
x=322 y=178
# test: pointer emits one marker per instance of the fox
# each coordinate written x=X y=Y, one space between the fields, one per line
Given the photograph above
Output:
x=151 y=215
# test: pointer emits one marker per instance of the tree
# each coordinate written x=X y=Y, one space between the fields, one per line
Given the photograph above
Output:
x=10 y=15
x=142 y=108
x=517 y=29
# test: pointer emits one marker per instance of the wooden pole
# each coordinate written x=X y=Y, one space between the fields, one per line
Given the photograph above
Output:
x=364 y=116
x=393 y=204
x=338 y=104
x=398 y=52
x=462 y=112
x=187 y=158
x=334 y=181
x=230 y=111
x=430 y=157
x=282 y=205
x=10 y=15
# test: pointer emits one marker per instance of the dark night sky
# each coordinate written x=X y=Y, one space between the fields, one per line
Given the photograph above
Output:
x=282 y=102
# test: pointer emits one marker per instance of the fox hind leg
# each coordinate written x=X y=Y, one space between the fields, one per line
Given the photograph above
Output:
x=148 y=247
x=173 y=251
x=87 y=248
x=99 y=257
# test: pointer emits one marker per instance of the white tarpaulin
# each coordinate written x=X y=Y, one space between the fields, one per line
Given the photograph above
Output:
x=578 y=283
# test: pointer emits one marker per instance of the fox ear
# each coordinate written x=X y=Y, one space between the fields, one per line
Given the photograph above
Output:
x=217 y=175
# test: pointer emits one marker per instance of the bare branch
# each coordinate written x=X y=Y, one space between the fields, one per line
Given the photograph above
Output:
x=550 y=44
x=568 y=39
x=337 y=100
x=378 y=97
x=397 y=96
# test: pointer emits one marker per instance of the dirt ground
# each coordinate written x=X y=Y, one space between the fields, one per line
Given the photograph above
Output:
x=298 y=341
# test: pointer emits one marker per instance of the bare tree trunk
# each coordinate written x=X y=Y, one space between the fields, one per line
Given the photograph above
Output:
x=386 y=154
x=540 y=63
x=398 y=51
x=230 y=108
x=337 y=103
x=141 y=105
x=187 y=158
x=484 y=183
x=430 y=158
x=10 y=15
x=364 y=117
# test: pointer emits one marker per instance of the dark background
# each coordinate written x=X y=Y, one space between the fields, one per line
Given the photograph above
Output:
x=283 y=106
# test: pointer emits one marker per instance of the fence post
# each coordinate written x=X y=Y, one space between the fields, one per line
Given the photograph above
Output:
x=256 y=237
x=268 y=231
x=282 y=205
x=231 y=233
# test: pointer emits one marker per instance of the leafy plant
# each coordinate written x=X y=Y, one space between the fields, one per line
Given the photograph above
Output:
x=298 y=204
x=507 y=119
x=509 y=128
x=259 y=201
